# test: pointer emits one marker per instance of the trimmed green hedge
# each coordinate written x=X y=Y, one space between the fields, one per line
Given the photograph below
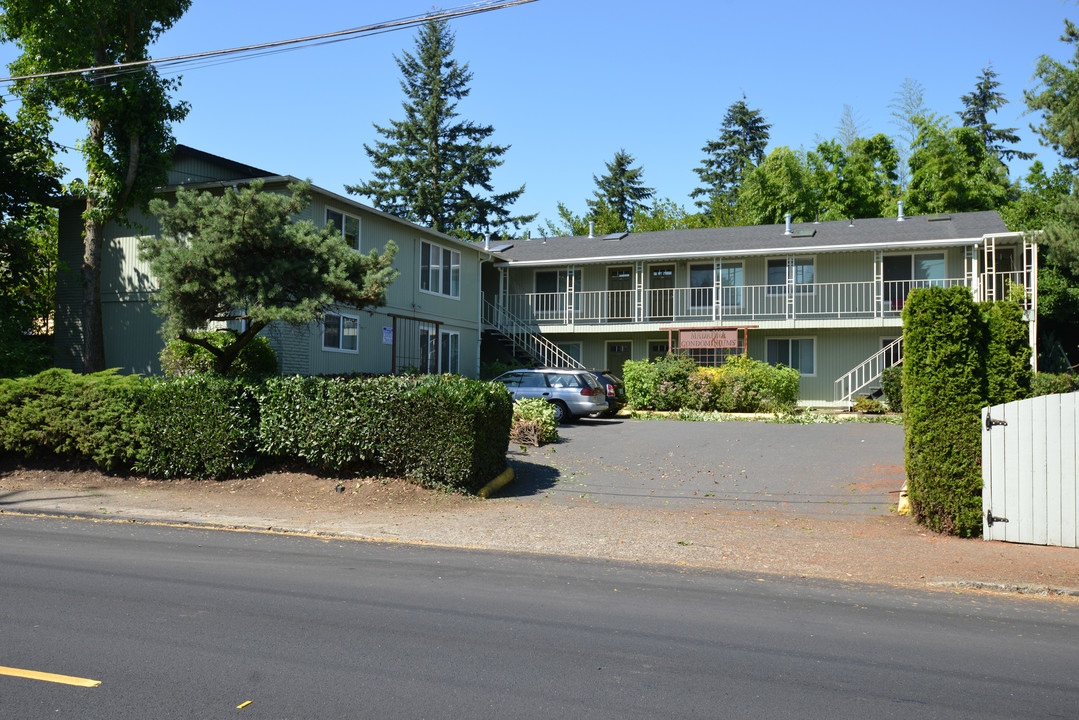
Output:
x=741 y=384
x=200 y=426
x=441 y=431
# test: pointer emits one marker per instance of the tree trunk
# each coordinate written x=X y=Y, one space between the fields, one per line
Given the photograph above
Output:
x=93 y=335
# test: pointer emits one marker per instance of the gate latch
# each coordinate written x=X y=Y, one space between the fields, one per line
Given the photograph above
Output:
x=990 y=422
x=990 y=519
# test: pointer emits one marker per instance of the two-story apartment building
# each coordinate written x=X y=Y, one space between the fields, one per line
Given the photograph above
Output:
x=824 y=298
x=430 y=322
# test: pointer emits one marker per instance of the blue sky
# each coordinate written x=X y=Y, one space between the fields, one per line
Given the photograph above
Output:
x=566 y=83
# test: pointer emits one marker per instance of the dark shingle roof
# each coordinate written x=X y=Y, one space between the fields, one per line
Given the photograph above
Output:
x=835 y=235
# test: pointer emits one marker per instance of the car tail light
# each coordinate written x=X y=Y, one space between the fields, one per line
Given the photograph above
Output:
x=610 y=389
x=591 y=391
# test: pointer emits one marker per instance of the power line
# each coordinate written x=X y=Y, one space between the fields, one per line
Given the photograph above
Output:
x=214 y=57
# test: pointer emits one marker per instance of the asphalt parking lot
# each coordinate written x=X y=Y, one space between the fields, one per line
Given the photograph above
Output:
x=851 y=469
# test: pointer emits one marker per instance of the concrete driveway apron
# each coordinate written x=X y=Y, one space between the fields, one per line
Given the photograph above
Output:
x=846 y=468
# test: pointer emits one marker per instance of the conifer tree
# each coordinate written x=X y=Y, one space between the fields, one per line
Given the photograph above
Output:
x=976 y=108
x=433 y=168
x=240 y=258
x=621 y=190
x=741 y=144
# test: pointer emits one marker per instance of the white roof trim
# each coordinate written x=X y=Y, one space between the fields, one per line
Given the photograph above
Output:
x=757 y=251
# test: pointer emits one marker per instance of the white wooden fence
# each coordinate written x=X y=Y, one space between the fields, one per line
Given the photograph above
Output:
x=1030 y=471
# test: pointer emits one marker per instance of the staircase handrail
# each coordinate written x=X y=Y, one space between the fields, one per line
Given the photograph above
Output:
x=867 y=372
x=523 y=337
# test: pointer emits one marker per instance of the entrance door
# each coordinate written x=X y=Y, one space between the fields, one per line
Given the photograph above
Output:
x=618 y=352
x=661 y=292
x=620 y=294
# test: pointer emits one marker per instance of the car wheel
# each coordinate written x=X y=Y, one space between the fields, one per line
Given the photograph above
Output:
x=561 y=412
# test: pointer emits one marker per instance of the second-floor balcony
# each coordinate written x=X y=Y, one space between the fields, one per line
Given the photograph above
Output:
x=743 y=303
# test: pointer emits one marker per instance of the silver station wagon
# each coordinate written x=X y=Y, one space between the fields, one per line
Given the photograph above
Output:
x=574 y=393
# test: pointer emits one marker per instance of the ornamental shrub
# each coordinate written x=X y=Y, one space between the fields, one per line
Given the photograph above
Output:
x=198 y=426
x=944 y=388
x=58 y=412
x=658 y=385
x=1050 y=384
x=180 y=358
x=533 y=416
x=891 y=382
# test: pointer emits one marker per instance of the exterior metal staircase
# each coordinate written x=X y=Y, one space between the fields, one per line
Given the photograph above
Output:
x=868 y=372
x=521 y=338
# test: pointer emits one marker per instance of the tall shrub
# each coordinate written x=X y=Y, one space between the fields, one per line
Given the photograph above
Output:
x=944 y=389
x=1008 y=358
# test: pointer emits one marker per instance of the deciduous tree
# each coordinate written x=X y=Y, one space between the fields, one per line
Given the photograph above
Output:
x=240 y=259
x=952 y=171
x=128 y=113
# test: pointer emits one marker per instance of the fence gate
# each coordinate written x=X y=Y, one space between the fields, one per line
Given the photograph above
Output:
x=1030 y=471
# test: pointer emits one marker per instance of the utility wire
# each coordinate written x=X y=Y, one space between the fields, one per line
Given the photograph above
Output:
x=214 y=57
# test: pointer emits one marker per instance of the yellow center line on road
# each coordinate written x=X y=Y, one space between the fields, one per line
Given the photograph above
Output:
x=48 y=677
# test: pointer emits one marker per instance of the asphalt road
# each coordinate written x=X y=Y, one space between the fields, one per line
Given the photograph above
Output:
x=181 y=623
x=852 y=469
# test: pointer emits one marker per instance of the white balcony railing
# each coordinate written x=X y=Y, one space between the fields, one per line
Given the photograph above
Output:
x=744 y=303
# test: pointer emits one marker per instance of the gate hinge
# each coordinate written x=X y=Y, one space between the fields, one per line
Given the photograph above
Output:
x=990 y=422
x=990 y=519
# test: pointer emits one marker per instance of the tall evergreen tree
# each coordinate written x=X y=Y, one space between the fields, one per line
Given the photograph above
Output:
x=742 y=140
x=976 y=108
x=622 y=190
x=129 y=115
x=431 y=167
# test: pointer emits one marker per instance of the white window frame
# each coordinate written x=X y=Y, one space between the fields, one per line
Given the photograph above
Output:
x=434 y=276
x=788 y=340
x=343 y=319
x=345 y=218
x=449 y=358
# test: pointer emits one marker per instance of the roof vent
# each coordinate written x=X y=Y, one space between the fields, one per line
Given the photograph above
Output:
x=851 y=223
x=900 y=218
x=591 y=228
x=614 y=236
x=804 y=233
x=938 y=217
x=788 y=230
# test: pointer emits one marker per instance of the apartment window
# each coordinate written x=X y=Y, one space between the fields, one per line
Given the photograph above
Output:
x=347 y=225
x=731 y=278
x=702 y=280
x=797 y=353
x=803 y=275
x=450 y=353
x=440 y=270
x=340 y=332
x=428 y=349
